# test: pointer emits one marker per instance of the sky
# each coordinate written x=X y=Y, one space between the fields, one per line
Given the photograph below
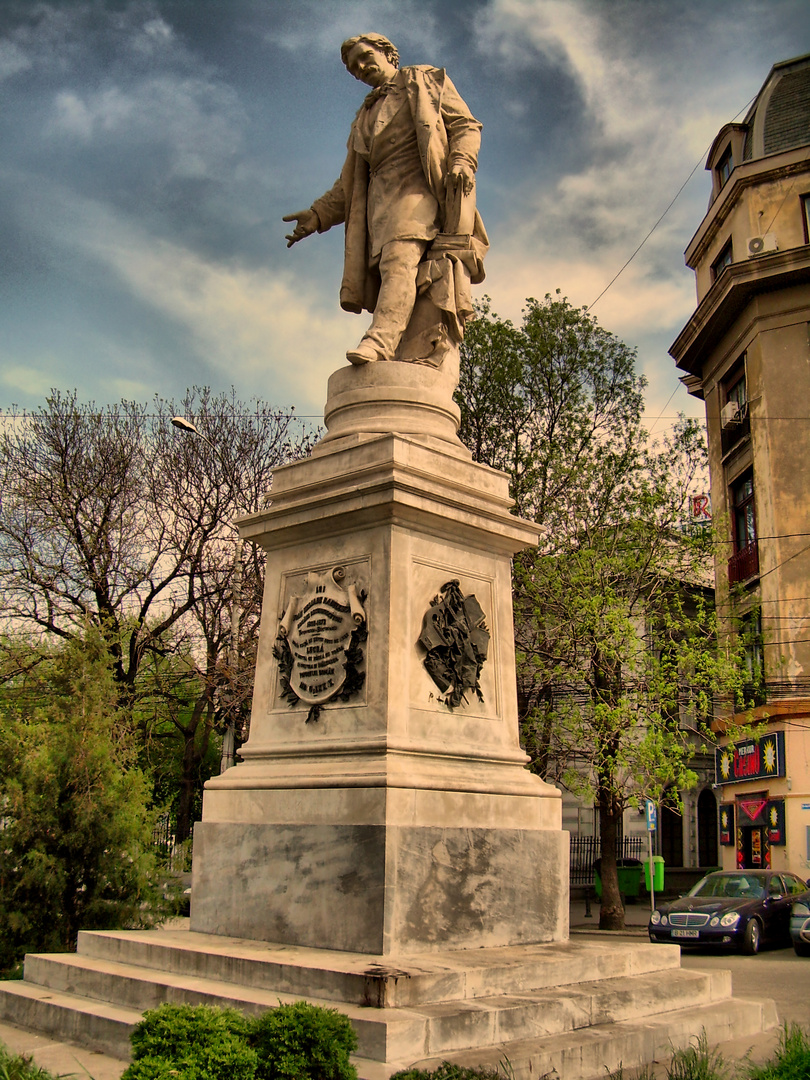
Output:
x=151 y=147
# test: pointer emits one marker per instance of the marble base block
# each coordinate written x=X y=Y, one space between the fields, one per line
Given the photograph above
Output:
x=378 y=889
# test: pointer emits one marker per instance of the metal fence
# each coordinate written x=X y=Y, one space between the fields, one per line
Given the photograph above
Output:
x=585 y=850
x=173 y=856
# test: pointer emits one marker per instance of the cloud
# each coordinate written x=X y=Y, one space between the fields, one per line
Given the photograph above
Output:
x=29 y=378
x=308 y=29
x=197 y=121
x=255 y=326
x=12 y=59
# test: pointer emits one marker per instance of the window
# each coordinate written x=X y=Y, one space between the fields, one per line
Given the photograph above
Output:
x=735 y=422
x=742 y=500
x=744 y=563
x=806 y=217
x=725 y=166
x=724 y=259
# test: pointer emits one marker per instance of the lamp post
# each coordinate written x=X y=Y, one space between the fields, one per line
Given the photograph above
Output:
x=228 y=756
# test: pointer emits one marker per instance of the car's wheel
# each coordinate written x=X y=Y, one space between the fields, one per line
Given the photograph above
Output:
x=752 y=938
x=801 y=948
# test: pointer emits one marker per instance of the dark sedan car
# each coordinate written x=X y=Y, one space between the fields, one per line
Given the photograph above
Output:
x=800 y=924
x=734 y=908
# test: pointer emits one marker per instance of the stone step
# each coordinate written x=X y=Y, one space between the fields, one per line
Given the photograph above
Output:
x=380 y=981
x=547 y=1013
x=381 y=1032
x=385 y=1034
x=629 y=1002
x=95 y=1024
x=603 y=1048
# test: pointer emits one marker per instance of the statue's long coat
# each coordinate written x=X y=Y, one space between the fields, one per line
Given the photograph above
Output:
x=447 y=134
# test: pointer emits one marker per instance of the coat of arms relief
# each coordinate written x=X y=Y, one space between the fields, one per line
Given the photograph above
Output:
x=319 y=642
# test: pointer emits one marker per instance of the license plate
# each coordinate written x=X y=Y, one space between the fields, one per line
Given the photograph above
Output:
x=686 y=933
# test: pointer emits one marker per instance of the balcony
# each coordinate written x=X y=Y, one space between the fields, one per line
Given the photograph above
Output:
x=743 y=564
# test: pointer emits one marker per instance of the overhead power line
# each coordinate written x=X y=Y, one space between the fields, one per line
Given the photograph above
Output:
x=671 y=203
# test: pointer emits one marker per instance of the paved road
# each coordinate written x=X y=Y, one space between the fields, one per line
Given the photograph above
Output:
x=773 y=973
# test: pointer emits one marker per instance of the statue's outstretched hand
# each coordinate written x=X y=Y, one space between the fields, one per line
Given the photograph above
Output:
x=307 y=224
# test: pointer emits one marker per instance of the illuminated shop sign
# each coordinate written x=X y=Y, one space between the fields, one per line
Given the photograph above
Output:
x=751 y=759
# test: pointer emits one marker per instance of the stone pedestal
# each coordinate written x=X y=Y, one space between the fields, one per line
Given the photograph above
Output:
x=392 y=824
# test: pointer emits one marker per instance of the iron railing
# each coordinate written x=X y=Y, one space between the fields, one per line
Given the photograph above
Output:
x=172 y=856
x=585 y=850
x=743 y=564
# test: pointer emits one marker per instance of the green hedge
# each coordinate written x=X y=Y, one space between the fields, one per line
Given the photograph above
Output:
x=200 y=1042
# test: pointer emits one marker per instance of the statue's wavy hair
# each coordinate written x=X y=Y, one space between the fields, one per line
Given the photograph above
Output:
x=377 y=40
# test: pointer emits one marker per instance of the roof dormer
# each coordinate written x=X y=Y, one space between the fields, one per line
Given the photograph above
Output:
x=725 y=155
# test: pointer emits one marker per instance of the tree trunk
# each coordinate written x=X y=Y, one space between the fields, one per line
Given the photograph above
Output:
x=611 y=914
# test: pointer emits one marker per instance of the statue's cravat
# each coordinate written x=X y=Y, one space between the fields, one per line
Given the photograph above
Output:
x=377 y=93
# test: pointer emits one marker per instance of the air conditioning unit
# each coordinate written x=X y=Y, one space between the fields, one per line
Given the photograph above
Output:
x=730 y=414
x=761 y=245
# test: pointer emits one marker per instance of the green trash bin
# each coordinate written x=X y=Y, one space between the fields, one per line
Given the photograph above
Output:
x=629 y=874
x=657 y=873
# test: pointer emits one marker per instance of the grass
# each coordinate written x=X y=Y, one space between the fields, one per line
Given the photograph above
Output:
x=20 y=1067
x=700 y=1062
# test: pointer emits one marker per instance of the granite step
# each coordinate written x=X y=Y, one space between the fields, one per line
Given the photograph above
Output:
x=383 y=1034
x=603 y=1048
x=98 y=1025
x=578 y=1007
x=381 y=981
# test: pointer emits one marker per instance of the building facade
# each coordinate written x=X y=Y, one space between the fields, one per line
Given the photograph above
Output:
x=746 y=352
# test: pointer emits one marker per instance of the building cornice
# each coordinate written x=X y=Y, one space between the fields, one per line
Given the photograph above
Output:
x=728 y=296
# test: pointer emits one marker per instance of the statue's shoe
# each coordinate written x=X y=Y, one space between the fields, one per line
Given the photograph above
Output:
x=365 y=353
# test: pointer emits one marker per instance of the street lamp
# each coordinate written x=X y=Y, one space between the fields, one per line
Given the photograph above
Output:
x=182 y=424
x=228 y=757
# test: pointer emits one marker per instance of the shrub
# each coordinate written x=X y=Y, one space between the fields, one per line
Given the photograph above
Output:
x=304 y=1042
x=191 y=1042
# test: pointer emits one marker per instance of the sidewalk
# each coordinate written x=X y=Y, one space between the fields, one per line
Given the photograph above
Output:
x=636 y=915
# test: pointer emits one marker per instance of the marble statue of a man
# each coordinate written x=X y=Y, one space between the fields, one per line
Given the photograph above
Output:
x=406 y=195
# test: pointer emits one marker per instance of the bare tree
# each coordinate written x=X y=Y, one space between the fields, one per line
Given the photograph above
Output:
x=111 y=517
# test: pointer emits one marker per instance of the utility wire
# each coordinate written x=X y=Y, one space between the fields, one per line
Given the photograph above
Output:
x=666 y=211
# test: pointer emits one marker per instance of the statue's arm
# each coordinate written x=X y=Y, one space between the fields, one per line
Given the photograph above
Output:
x=331 y=207
x=463 y=136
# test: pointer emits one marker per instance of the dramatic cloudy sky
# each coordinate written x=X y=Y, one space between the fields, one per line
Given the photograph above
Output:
x=150 y=148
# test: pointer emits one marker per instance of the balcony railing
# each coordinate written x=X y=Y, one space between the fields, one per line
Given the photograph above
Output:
x=743 y=564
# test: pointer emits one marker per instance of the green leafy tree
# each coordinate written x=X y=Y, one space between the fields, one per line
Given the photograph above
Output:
x=76 y=846
x=618 y=659
x=555 y=403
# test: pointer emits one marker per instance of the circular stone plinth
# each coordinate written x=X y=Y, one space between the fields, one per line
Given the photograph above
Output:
x=394 y=396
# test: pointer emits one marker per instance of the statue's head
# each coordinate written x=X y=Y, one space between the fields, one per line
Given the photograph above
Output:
x=371 y=58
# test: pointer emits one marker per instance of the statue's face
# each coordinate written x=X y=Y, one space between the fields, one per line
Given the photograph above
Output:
x=369 y=64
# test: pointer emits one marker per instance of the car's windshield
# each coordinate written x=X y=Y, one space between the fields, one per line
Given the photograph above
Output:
x=737 y=886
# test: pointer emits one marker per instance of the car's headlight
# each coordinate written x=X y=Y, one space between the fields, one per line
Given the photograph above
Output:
x=715 y=921
x=731 y=918
x=800 y=908
x=664 y=920
x=655 y=918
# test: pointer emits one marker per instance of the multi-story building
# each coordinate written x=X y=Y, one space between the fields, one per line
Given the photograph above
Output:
x=746 y=352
